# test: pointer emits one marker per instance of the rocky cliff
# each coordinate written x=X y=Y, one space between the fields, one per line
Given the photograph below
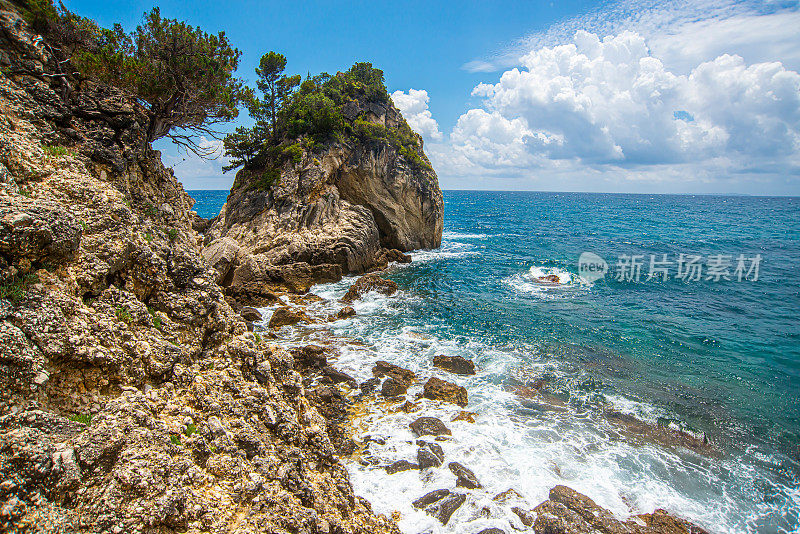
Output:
x=350 y=206
x=132 y=397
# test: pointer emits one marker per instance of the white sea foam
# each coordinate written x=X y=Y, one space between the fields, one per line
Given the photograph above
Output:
x=449 y=250
x=534 y=282
x=459 y=235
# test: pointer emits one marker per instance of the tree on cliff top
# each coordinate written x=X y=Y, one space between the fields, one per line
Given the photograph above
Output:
x=182 y=75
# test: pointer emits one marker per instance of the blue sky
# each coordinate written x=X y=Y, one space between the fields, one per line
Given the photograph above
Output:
x=668 y=96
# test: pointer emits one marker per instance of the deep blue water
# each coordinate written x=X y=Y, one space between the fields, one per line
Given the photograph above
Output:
x=717 y=357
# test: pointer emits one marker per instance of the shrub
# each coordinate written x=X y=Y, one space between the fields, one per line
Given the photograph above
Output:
x=172 y=234
x=54 y=150
x=123 y=314
x=294 y=152
x=175 y=440
x=85 y=419
x=156 y=320
x=190 y=429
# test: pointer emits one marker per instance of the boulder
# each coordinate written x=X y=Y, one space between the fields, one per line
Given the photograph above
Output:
x=525 y=516
x=455 y=364
x=400 y=465
x=369 y=386
x=309 y=357
x=492 y=530
x=346 y=313
x=429 y=454
x=463 y=415
x=250 y=314
x=396 y=372
x=438 y=389
x=429 y=426
x=394 y=255
x=286 y=316
x=465 y=478
x=393 y=388
x=338 y=377
x=440 y=504
x=368 y=283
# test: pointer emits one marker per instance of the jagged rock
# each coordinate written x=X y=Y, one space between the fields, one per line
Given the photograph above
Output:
x=438 y=389
x=394 y=255
x=367 y=283
x=400 y=465
x=338 y=377
x=346 y=313
x=286 y=316
x=408 y=407
x=37 y=233
x=253 y=295
x=429 y=455
x=369 y=386
x=250 y=314
x=393 y=388
x=455 y=364
x=525 y=516
x=432 y=426
x=310 y=357
x=440 y=504
x=465 y=478
x=401 y=375
x=509 y=495
x=570 y=512
x=463 y=415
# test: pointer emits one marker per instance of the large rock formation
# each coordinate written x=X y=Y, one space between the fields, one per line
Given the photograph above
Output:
x=347 y=205
x=132 y=398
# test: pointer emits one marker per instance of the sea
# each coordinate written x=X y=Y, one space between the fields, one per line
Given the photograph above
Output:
x=685 y=321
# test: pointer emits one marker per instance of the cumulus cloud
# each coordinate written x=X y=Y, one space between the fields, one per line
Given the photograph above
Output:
x=612 y=102
x=414 y=107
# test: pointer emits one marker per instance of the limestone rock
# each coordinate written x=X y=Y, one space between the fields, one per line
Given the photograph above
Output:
x=441 y=504
x=400 y=465
x=432 y=426
x=393 y=388
x=438 y=389
x=465 y=478
x=455 y=364
x=286 y=316
x=367 y=283
x=401 y=375
x=429 y=454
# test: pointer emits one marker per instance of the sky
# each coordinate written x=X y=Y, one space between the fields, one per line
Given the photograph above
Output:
x=652 y=96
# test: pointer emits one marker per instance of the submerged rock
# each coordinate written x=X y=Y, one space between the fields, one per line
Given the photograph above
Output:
x=463 y=415
x=465 y=478
x=438 y=389
x=346 y=312
x=455 y=364
x=432 y=426
x=368 y=283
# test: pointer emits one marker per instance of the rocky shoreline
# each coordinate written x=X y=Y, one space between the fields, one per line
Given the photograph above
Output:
x=137 y=394
x=566 y=511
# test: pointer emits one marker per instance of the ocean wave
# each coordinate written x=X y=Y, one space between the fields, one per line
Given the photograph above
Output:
x=458 y=235
x=449 y=250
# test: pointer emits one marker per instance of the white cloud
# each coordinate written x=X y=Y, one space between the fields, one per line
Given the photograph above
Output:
x=611 y=103
x=414 y=107
x=196 y=172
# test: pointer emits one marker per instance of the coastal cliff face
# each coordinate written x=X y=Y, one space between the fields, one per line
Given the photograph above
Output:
x=345 y=206
x=132 y=397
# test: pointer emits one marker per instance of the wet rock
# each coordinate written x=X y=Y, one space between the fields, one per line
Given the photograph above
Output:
x=492 y=531
x=525 y=516
x=465 y=478
x=368 y=283
x=309 y=357
x=429 y=426
x=286 y=316
x=346 y=313
x=440 y=504
x=400 y=465
x=369 y=386
x=429 y=455
x=469 y=417
x=393 y=388
x=408 y=407
x=338 y=377
x=250 y=314
x=394 y=255
x=509 y=495
x=455 y=364
x=570 y=512
x=253 y=294
x=438 y=389
x=396 y=372
x=663 y=434
x=549 y=279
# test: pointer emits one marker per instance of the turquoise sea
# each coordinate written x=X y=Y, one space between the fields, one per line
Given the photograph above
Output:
x=714 y=358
